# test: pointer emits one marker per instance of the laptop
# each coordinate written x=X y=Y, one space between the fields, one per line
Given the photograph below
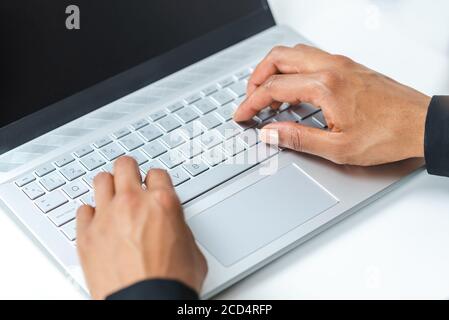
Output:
x=159 y=81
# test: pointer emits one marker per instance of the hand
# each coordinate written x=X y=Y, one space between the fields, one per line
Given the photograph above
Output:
x=372 y=119
x=136 y=234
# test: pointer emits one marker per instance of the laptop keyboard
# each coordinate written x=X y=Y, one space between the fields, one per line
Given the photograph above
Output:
x=195 y=140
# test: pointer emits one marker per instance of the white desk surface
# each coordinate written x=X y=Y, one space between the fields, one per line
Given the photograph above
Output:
x=397 y=247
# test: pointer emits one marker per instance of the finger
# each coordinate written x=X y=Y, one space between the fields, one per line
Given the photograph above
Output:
x=84 y=218
x=157 y=179
x=300 y=138
x=126 y=175
x=300 y=59
x=283 y=88
x=276 y=105
x=104 y=188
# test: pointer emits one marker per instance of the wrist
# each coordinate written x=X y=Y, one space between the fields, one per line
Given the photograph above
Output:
x=418 y=127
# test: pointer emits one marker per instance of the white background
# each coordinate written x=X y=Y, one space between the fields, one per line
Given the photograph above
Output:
x=397 y=247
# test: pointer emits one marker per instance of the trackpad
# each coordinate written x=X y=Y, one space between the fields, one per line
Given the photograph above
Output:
x=256 y=216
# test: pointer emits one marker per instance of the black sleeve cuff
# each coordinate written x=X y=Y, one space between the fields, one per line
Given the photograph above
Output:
x=155 y=290
x=436 y=141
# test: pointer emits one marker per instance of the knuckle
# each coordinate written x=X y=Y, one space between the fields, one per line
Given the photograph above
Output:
x=342 y=61
x=129 y=199
x=276 y=53
x=301 y=47
x=329 y=78
x=271 y=82
x=163 y=196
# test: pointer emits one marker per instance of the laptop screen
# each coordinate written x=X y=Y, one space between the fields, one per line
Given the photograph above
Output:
x=52 y=50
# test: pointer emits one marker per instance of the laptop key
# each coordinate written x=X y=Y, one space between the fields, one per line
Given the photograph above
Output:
x=52 y=182
x=173 y=140
x=157 y=115
x=249 y=138
x=233 y=147
x=191 y=149
x=64 y=214
x=286 y=116
x=44 y=170
x=100 y=143
x=214 y=156
x=89 y=199
x=226 y=82
x=89 y=178
x=210 y=139
x=226 y=112
x=131 y=142
x=247 y=124
x=73 y=171
x=75 y=189
x=109 y=168
x=304 y=110
x=51 y=201
x=228 y=130
x=192 y=130
x=169 y=124
x=25 y=180
x=310 y=122
x=150 y=133
x=193 y=98
x=121 y=133
x=154 y=149
x=210 y=121
x=209 y=90
x=222 y=98
x=69 y=230
x=196 y=167
x=205 y=106
x=64 y=160
x=139 y=124
x=175 y=107
x=320 y=119
x=187 y=115
x=138 y=156
x=244 y=74
x=155 y=164
x=238 y=89
x=92 y=161
x=172 y=159
x=112 y=151
x=266 y=114
x=81 y=152
x=33 y=191
x=178 y=176
x=211 y=178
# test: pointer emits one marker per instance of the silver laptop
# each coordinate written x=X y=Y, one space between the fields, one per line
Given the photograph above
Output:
x=159 y=81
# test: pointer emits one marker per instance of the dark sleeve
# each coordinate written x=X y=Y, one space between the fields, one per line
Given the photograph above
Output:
x=436 y=141
x=155 y=290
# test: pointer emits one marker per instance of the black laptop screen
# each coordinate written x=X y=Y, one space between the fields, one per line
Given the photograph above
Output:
x=43 y=61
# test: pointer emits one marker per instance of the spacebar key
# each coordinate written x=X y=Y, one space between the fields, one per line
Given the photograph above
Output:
x=209 y=180
x=224 y=172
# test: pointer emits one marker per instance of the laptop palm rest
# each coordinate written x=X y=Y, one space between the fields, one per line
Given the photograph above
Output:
x=259 y=214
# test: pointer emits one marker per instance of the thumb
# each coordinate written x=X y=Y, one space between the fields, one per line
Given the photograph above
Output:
x=299 y=138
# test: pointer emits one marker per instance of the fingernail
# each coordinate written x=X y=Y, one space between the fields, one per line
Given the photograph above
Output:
x=269 y=136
